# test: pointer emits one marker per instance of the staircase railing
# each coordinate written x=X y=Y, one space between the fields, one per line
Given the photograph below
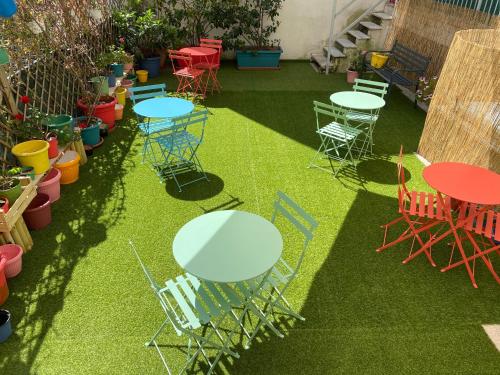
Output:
x=335 y=14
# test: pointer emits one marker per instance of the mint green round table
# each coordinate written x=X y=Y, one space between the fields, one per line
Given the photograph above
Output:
x=228 y=246
x=357 y=100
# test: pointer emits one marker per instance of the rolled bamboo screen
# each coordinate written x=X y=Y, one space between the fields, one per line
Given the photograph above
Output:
x=463 y=121
x=428 y=26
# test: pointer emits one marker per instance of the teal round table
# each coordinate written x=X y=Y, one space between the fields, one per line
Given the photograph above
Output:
x=163 y=107
x=228 y=246
x=357 y=100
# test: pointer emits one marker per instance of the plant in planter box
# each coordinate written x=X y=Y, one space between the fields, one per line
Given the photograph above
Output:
x=255 y=21
x=10 y=188
x=355 y=68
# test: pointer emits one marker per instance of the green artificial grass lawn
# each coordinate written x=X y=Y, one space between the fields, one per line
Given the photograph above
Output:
x=82 y=305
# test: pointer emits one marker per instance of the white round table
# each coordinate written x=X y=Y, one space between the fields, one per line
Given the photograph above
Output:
x=228 y=246
x=357 y=100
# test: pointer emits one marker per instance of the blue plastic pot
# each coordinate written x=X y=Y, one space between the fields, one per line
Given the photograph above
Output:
x=90 y=135
x=117 y=69
x=5 y=326
x=7 y=8
x=258 y=59
x=111 y=80
x=152 y=65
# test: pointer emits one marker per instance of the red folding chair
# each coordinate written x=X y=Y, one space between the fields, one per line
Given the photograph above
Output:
x=190 y=78
x=481 y=226
x=213 y=66
x=421 y=211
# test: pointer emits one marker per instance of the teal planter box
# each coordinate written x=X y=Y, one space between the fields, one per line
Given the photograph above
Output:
x=258 y=59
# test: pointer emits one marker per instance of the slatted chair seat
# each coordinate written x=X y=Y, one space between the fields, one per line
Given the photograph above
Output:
x=189 y=72
x=339 y=132
x=181 y=139
x=154 y=127
x=361 y=117
x=486 y=223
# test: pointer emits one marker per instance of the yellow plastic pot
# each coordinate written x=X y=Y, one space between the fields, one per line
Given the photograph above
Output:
x=69 y=165
x=378 y=60
x=121 y=95
x=142 y=75
x=34 y=154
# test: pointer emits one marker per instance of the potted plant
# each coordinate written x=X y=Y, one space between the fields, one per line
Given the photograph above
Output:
x=149 y=42
x=103 y=63
x=102 y=107
x=10 y=188
x=255 y=21
x=355 y=68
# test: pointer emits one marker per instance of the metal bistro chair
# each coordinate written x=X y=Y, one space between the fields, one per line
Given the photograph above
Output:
x=190 y=305
x=368 y=120
x=190 y=79
x=148 y=127
x=178 y=146
x=212 y=67
x=339 y=140
x=270 y=290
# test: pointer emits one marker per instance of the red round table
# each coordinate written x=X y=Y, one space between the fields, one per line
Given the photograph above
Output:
x=464 y=182
x=201 y=54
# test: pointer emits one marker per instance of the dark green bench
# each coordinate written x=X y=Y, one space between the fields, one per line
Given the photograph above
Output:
x=401 y=60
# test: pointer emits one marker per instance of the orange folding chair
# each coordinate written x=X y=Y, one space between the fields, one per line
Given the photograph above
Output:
x=213 y=66
x=190 y=78
x=421 y=211
x=481 y=226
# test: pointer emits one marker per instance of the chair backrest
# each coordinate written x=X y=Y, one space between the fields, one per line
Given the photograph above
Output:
x=213 y=43
x=371 y=87
x=160 y=293
x=409 y=58
x=147 y=92
x=338 y=114
x=180 y=60
x=190 y=121
x=284 y=206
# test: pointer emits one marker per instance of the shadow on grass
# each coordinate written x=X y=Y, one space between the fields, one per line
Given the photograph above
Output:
x=81 y=218
x=199 y=190
x=366 y=313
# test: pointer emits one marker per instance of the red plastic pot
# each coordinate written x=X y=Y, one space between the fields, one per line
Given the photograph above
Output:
x=4 y=289
x=38 y=214
x=50 y=185
x=14 y=256
x=5 y=205
x=106 y=112
x=53 y=150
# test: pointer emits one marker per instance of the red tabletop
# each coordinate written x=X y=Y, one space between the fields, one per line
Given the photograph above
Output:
x=465 y=182
x=201 y=54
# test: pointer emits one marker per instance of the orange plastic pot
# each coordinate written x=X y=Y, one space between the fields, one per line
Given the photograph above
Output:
x=69 y=165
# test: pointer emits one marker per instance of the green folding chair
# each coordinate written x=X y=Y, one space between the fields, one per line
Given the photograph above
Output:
x=269 y=290
x=367 y=119
x=339 y=140
x=190 y=306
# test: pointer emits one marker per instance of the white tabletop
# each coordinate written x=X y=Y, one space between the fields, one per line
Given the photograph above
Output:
x=228 y=246
x=357 y=100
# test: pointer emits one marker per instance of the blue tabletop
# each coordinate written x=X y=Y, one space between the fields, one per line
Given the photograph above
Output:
x=163 y=107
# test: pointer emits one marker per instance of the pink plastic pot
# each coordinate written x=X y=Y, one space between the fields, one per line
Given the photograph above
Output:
x=38 y=214
x=4 y=288
x=351 y=76
x=14 y=255
x=50 y=185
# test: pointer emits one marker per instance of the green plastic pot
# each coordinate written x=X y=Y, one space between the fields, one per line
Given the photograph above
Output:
x=101 y=85
x=13 y=193
x=4 y=56
x=59 y=122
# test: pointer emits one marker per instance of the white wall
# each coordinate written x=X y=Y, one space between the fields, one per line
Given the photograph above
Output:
x=305 y=24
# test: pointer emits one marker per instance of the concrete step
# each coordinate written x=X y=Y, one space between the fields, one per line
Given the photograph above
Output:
x=319 y=59
x=358 y=35
x=345 y=43
x=382 y=16
x=334 y=52
x=370 y=25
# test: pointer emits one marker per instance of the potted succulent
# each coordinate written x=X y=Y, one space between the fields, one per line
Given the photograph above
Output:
x=255 y=21
x=355 y=68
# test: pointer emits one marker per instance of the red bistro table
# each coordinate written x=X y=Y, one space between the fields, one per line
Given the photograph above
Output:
x=468 y=184
x=201 y=54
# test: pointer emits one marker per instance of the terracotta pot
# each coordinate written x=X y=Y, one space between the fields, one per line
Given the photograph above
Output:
x=351 y=76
